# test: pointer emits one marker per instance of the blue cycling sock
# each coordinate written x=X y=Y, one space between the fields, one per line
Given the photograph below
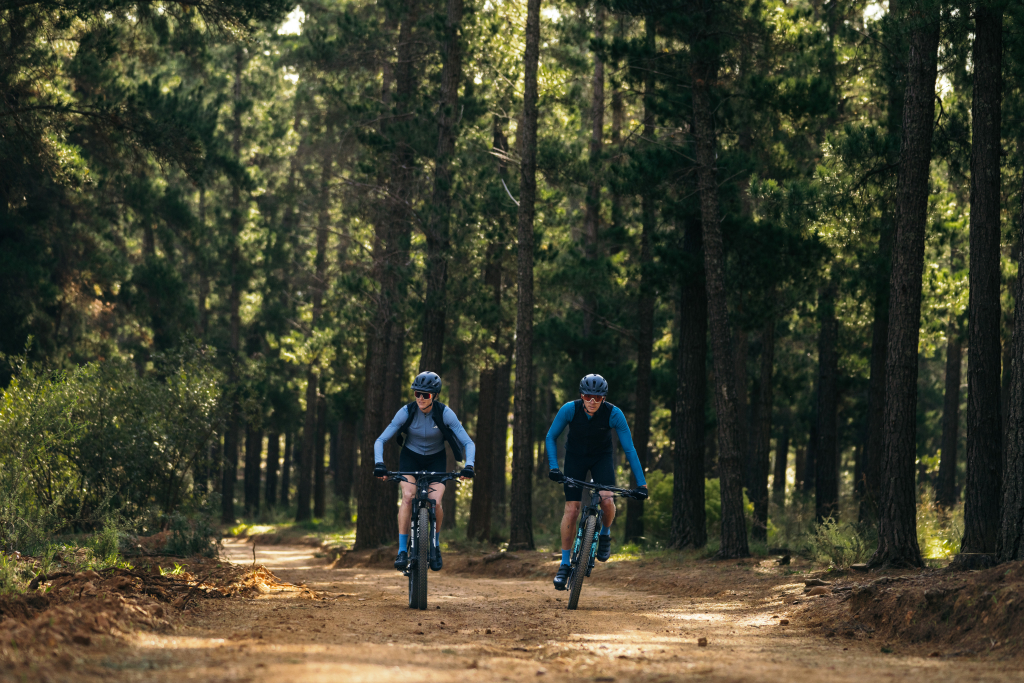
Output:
x=605 y=531
x=565 y=557
x=403 y=543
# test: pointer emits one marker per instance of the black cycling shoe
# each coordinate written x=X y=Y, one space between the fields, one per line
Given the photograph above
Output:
x=604 y=548
x=435 y=558
x=561 y=577
x=401 y=561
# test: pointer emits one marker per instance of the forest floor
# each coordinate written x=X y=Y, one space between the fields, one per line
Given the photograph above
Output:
x=495 y=617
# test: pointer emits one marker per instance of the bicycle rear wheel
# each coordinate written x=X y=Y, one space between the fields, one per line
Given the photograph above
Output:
x=579 y=571
x=422 y=557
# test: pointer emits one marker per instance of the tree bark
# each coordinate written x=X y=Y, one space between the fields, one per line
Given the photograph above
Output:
x=448 y=501
x=689 y=525
x=304 y=483
x=319 y=469
x=343 y=476
x=592 y=212
x=761 y=434
x=521 y=514
x=437 y=230
x=253 y=456
x=826 y=480
x=1011 y=536
x=479 y=526
x=945 y=489
x=230 y=469
x=730 y=469
x=273 y=463
x=897 y=526
x=984 y=435
x=645 y=312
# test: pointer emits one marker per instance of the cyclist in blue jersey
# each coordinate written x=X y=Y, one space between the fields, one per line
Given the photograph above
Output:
x=589 y=447
x=426 y=424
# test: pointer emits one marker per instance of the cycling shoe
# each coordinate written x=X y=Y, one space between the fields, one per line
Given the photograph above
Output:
x=435 y=558
x=604 y=548
x=562 y=577
x=401 y=561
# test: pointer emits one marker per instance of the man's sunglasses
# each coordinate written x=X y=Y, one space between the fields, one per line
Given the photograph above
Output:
x=590 y=398
x=421 y=394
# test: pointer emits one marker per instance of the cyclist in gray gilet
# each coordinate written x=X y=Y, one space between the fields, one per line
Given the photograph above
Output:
x=589 y=447
x=426 y=424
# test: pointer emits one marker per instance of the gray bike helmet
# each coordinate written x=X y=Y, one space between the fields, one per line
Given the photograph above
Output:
x=427 y=381
x=595 y=385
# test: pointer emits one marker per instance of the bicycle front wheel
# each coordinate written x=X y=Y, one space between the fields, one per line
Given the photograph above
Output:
x=579 y=569
x=422 y=557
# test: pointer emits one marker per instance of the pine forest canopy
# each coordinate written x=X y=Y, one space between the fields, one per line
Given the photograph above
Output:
x=774 y=227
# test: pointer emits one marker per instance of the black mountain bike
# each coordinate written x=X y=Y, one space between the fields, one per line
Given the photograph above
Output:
x=584 y=550
x=424 y=522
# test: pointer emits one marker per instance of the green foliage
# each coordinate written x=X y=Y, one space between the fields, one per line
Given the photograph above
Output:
x=192 y=535
x=838 y=545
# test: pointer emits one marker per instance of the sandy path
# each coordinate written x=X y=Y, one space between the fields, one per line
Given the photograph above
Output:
x=501 y=630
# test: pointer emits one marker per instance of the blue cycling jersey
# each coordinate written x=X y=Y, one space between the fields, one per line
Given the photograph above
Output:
x=617 y=421
x=423 y=436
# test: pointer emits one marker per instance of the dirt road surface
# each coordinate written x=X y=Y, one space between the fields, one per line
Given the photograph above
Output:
x=492 y=629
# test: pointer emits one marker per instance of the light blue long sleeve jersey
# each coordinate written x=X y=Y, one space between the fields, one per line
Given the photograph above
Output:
x=617 y=422
x=423 y=436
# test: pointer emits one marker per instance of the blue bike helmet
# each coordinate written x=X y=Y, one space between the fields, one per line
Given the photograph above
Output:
x=427 y=381
x=595 y=385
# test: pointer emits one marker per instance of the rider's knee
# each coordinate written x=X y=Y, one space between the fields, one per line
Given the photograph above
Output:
x=572 y=507
x=407 y=497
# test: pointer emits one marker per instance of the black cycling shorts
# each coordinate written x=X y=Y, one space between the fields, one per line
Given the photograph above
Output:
x=602 y=469
x=410 y=461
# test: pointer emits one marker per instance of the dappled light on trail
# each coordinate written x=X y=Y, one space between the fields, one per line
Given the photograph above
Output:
x=353 y=624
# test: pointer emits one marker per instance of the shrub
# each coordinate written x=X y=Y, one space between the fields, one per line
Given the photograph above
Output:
x=838 y=545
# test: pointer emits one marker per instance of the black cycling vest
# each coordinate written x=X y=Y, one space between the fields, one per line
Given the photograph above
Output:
x=437 y=412
x=592 y=437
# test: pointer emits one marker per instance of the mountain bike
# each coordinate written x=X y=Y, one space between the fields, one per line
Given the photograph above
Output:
x=421 y=535
x=584 y=550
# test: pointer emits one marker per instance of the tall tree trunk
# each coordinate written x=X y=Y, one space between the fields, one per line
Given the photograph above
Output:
x=592 y=213
x=897 y=524
x=286 y=467
x=730 y=470
x=689 y=525
x=781 y=458
x=945 y=490
x=645 y=311
x=1011 y=534
x=984 y=434
x=479 y=526
x=319 y=469
x=521 y=527
x=273 y=463
x=742 y=349
x=826 y=480
x=448 y=500
x=234 y=425
x=800 y=467
x=440 y=211
x=375 y=521
x=761 y=433
x=343 y=476
x=253 y=456
x=311 y=464
x=499 y=452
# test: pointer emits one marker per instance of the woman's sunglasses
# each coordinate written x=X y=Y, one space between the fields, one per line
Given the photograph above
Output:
x=590 y=398
x=421 y=394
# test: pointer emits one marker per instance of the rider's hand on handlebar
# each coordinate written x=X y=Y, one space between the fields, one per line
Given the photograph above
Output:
x=467 y=472
x=556 y=475
x=640 y=493
x=379 y=470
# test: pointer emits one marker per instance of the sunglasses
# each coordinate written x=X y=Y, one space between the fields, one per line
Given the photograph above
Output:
x=421 y=394
x=590 y=398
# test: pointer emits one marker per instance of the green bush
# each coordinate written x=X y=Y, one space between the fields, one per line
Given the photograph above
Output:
x=81 y=445
x=838 y=545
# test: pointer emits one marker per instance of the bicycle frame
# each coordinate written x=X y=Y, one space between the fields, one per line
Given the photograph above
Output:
x=583 y=559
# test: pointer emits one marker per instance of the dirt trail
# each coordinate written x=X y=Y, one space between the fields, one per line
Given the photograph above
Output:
x=480 y=629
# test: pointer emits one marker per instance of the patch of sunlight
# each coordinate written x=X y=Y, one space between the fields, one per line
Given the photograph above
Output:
x=292 y=23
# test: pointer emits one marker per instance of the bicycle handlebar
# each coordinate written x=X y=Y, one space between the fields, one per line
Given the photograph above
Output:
x=598 y=487
x=431 y=477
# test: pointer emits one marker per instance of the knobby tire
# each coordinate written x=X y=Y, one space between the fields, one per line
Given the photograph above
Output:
x=422 y=557
x=582 y=561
